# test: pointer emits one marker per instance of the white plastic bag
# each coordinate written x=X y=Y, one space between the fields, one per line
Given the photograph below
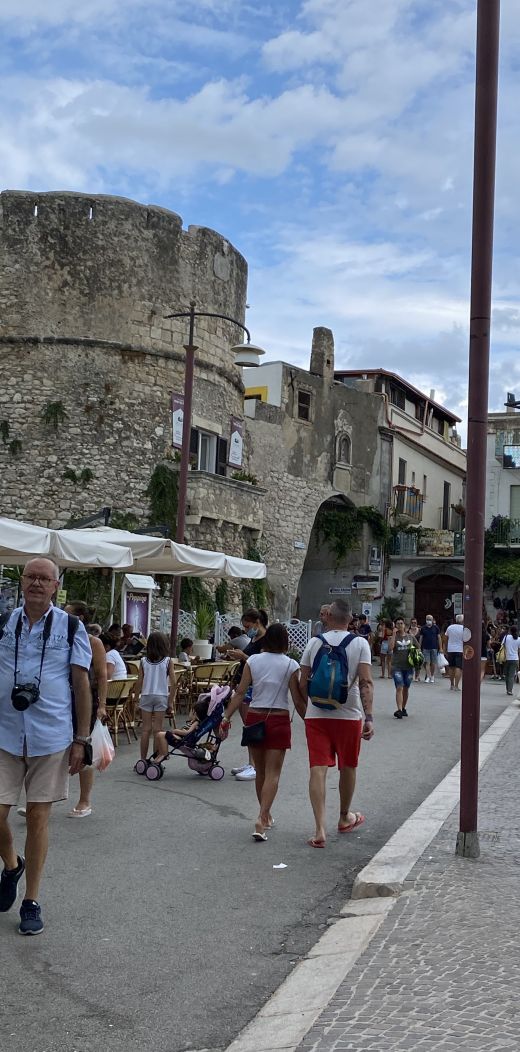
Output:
x=103 y=751
x=441 y=661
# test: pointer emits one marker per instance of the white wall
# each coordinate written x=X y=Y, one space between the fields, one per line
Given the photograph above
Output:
x=498 y=484
x=269 y=375
x=437 y=474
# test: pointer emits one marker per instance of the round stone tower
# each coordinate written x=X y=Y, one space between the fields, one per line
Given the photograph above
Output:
x=89 y=360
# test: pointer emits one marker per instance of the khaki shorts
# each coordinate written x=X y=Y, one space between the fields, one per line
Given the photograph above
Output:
x=46 y=778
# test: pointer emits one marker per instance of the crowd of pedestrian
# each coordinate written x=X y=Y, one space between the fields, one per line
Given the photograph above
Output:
x=55 y=669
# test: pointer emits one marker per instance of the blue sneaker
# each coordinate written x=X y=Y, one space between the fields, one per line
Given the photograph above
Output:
x=9 y=885
x=30 y=918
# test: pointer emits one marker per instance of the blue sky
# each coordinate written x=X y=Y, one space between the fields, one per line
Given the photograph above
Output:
x=330 y=140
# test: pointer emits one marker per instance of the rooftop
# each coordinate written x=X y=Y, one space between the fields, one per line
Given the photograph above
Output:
x=361 y=374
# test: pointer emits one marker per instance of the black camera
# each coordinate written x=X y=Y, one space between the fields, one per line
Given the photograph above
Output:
x=24 y=695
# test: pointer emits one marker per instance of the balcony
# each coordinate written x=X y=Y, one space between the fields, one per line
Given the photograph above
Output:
x=427 y=544
x=506 y=532
x=224 y=501
x=408 y=503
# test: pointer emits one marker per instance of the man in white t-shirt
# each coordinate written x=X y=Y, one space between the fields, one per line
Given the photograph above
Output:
x=336 y=734
x=455 y=651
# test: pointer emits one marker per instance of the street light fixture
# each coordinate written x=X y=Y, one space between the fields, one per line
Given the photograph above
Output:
x=245 y=354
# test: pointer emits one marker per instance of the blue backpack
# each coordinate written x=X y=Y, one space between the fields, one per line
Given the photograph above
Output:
x=328 y=685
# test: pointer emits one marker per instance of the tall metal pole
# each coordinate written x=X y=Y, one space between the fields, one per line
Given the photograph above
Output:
x=190 y=349
x=488 y=23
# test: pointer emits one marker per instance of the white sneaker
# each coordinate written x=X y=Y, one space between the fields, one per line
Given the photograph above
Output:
x=432 y=679
x=427 y=680
x=238 y=770
x=247 y=775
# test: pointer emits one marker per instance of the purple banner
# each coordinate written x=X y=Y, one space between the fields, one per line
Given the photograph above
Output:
x=136 y=613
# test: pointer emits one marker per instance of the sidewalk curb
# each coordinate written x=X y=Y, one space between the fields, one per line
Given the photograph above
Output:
x=295 y=1006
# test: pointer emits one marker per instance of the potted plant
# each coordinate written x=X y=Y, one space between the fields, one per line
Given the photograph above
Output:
x=204 y=621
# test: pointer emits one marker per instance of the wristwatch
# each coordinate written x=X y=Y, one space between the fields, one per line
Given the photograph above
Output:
x=81 y=740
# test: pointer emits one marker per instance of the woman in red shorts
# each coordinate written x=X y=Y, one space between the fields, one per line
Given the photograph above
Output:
x=272 y=675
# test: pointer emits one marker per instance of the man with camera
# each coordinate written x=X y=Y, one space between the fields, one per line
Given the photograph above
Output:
x=42 y=653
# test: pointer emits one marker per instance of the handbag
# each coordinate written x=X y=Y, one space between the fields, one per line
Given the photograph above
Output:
x=256 y=732
x=501 y=656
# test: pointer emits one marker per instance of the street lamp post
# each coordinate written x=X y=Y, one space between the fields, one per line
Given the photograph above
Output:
x=488 y=22
x=246 y=354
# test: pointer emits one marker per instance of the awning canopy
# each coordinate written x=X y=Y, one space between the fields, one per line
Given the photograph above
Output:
x=164 y=556
x=21 y=541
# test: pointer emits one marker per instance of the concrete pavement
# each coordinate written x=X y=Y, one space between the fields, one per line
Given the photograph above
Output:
x=166 y=924
x=436 y=968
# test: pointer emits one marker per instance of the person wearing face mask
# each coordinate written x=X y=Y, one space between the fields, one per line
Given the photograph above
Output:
x=431 y=645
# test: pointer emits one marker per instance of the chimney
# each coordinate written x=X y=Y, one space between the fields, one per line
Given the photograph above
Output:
x=322 y=354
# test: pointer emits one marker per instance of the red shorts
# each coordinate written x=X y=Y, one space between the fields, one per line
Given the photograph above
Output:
x=277 y=729
x=328 y=739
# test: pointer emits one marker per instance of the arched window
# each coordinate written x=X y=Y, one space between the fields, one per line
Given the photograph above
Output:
x=344 y=449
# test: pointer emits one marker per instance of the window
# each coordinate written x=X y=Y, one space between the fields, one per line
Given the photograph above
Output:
x=344 y=449
x=446 y=501
x=413 y=479
x=401 y=474
x=398 y=397
x=439 y=425
x=424 y=486
x=304 y=405
x=203 y=451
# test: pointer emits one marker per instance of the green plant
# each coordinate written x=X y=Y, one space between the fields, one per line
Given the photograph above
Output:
x=85 y=476
x=15 y=447
x=94 y=588
x=163 y=494
x=222 y=597
x=194 y=593
x=204 y=620
x=124 y=520
x=69 y=475
x=245 y=476
x=391 y=608
x=4 y=431
x=341 y=528
x=53 y=414
x=255 y=592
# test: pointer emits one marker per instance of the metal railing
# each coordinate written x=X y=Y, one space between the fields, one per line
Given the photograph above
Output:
x=507 y=532
x=409 y=544
x=408 y=502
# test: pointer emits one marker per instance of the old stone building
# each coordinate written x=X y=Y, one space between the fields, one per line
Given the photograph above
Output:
x=89 y=361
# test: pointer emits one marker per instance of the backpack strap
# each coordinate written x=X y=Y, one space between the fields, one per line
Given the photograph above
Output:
x=344 y=643
x=72 y=628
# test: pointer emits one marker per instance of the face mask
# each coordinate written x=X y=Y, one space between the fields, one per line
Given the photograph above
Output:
x=429 y=621
x=252 y=633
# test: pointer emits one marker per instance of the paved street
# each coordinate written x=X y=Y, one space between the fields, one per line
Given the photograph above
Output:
x=443 y=971
x=166 y=924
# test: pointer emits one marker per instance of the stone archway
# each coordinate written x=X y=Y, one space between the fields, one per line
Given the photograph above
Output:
x=434 y=588
x=321 y=579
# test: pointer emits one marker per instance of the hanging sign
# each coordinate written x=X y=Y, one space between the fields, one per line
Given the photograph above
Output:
x=236 y=443
x=177 y=420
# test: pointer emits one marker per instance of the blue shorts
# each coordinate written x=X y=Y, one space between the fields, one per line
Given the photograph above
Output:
x=403 y=677
x=430 y=656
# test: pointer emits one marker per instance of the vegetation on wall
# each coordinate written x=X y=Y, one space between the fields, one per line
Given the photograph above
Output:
x=163 y=494
x=4 y=431
x=245 y=476
x=255 y=592
x=53 y=414
x=194 y=594
x=340 y=529
x=501 y=566
x=15 y=447
x=222 y=597
x=94 y=588
x=85 y=476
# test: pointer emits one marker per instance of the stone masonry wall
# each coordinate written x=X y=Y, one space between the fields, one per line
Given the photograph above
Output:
x=85 y=284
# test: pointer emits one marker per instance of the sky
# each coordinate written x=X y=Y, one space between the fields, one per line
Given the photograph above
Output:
x=331 y=141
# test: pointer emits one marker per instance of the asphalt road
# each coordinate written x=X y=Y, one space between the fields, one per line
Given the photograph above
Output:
x=167 y=926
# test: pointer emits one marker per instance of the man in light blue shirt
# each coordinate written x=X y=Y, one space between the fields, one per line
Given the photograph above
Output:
x=38 y=748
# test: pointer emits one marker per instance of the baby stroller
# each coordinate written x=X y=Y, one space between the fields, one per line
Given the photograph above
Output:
x=200 y=747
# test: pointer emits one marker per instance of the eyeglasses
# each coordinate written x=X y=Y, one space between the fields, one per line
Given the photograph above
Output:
x=33 y=577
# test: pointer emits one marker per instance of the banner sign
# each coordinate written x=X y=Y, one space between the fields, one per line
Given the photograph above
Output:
x=177 y=420
x=236 y=443
x=136 y=613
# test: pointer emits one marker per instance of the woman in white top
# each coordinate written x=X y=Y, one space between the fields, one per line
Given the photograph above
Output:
x=511 y=643
x=272 y=675
x=155 y=688
x=116 y=668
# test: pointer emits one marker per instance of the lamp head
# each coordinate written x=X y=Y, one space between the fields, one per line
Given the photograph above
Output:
x=247 y=354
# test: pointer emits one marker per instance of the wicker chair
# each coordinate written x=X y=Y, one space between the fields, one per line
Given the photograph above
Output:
x=120 y=707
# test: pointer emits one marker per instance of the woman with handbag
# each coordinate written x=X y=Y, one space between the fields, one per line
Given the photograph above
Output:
x=267 y=730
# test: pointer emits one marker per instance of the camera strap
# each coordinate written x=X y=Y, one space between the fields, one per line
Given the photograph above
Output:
x=45 y=636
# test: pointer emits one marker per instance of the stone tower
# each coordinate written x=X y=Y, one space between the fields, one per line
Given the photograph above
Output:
x=85 y=284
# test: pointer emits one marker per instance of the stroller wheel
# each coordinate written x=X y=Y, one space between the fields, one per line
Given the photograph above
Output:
x=153 y=772
x=161 y=770
x=216 y=773
x=140 y=766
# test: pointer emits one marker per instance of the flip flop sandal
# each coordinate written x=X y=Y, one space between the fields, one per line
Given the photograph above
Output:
x=313 y=842
x=353 y=825
x=259 y=837
x=80 y=814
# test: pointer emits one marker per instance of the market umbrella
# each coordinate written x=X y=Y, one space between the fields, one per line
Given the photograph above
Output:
x=21 y=541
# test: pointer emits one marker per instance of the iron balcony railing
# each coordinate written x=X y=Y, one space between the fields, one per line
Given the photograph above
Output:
x=408 y=502
x=442 y=545
x=507 y=532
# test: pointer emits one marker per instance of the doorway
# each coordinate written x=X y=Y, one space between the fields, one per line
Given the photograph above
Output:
x=433 y=595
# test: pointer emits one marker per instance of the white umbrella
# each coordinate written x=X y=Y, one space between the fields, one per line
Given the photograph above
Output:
x=21 y=541
x=164 y=556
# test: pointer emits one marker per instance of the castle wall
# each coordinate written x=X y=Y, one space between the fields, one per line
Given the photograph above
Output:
x=85 y=284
